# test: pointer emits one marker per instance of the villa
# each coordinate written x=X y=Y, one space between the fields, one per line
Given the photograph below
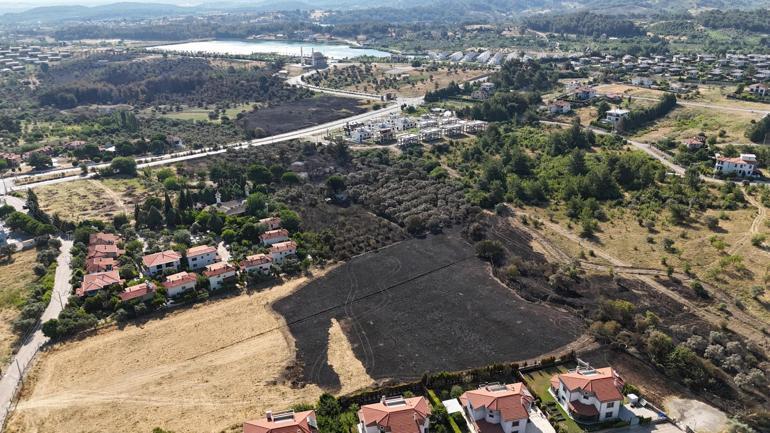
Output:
x=257 y=263
x=395 y=415
x=589 y=395
x=497 y=407
x=159 y=262
x=284 y=422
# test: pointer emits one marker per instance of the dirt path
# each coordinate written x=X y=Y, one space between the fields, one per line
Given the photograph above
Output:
x=741 y=322
x=111 y=194
x=755 y=224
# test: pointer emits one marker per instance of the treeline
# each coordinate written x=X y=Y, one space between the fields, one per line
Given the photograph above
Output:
x=505 y=106
x=584 y=23
x=755 y=21
x=757 y=131
x=637 y=118
x=184 y=80
x=451 y=90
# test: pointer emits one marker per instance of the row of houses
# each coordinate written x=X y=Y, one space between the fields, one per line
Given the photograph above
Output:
x=13 y=59
x=590 y=396
x=486 y=57
x=426 y=128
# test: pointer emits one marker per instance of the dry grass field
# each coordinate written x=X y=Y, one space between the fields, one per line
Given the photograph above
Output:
x=724 y=258
x=204 y=369
x=94 y=199
x=685 y=122
x=15 y=278
x=420 y=78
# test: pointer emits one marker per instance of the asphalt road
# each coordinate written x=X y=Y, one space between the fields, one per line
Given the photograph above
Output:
x=13 y=374
x=71 y=174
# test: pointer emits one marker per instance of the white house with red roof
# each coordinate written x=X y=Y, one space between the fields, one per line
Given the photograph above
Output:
x=201 y=256
x=395 y=415
x=759 y=89
x=159 y=262
x=142 y=291
x=92 y=283
x=271 y=237
x=283 y=422
x=257 y=263
x=103 y=239
x=179 y=283
x=103 y=251
x=589 y=395
x=742 y=166
x=271 y=223
x=281 y=250
x=100 y=264
x=498 y=408
x=218 y=273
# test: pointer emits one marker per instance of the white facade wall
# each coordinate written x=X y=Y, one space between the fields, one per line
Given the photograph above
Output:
x=201 y=260
x=263 y=268
x=280 y=255
x=176 y=290
x=160 y=268
x=217 y=280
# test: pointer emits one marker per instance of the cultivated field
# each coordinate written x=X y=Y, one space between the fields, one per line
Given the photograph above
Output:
x=204 y=369
x=15 y=279
x=420 y=305
x=303 y=113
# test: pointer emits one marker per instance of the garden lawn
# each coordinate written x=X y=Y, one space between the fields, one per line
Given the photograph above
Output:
x=538 y=383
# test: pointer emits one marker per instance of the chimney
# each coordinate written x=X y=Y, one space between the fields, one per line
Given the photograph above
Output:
x=269 y=415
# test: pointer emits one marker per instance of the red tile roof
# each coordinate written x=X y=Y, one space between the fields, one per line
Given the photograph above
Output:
x=99 y=264
x=405 y=417
x=512 y=400
x=179 y=279
x=274 y=234
x=160 y=258
x=734 y=160
x=283 y=246
x=100 y=250
x=582 y=409
x=256 y=259
x=98 y=281
x=271 y=222
x=218 y=268
x=200 y=249
x=136 y=291
x=604 y=383
x=298 y=423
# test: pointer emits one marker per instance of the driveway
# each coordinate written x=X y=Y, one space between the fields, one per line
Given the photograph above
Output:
x=22 y=360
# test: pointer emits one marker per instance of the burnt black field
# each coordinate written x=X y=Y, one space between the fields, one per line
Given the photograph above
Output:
x=420 y=305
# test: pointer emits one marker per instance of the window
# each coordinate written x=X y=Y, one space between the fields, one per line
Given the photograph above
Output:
x=610 y=405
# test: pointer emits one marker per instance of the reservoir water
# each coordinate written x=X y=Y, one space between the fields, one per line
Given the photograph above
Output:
x=288 y=48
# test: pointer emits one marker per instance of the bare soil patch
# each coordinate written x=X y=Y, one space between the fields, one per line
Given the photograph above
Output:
x=420 y=305
x=16 y=278
x=203 y=369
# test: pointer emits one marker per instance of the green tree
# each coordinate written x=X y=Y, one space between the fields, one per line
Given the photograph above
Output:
x=491 y=251
x=123 y=165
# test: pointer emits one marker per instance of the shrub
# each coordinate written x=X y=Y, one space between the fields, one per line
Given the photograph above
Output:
x=491 y=251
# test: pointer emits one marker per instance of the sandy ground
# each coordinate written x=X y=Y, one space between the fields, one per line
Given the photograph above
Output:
x=344 y=362
x=698 y=415
x=203 y=369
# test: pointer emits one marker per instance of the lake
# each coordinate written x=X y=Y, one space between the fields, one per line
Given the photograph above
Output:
x=287 y=48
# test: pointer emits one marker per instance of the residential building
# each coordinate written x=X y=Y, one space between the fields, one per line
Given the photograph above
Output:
x=742 y=166
x=430 y=134
x=201 y=256
x=103 y=251
x=584 y=93
x=100 y=264
x=395 y=415
x=271 y=223
x=496 y=407
x=641 y=81
x=257 y=263
x=142 y=291
x=179 y=283
x=359 y=135
x=402 y=123
x=385 y=134
x=407 y=139
x=696 y=142
x=475 y=126
x=271 y=237
x=159 y=262
x=759 y=89
x=318 y=60
x=559 y=107
x=589 y=395
x=218 y=273
x=283 y=422
x=616 y=115
x=281 y=250
x=92 y=283
x=452 y=130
